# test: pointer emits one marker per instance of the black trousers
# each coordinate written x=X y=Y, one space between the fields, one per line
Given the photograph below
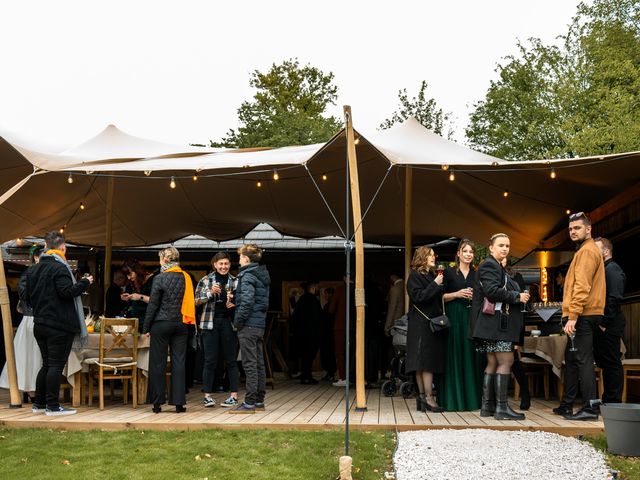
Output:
x=55 y=347
x=310 y=345
x=165 y=335
x=252 y=351
x=579 y=364
x=606 y=350
x=222 y=338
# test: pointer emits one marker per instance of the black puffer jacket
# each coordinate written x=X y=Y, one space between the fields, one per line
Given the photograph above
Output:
x=165 y=301
x=252 y=296
x=51 y=293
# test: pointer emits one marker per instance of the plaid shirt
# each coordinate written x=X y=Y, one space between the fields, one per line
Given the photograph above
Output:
x=203 y=296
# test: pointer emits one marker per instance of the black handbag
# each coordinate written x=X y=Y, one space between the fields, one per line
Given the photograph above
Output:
x=436 y=324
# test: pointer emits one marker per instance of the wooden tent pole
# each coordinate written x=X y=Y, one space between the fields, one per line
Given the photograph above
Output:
x=108 y=244
x=408 y=241
x=361 y=402
x=14 y=393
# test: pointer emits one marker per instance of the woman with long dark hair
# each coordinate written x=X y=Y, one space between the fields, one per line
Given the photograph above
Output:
x=496 y=322
x=460 y=390
x=141 y=282
x=426 y=350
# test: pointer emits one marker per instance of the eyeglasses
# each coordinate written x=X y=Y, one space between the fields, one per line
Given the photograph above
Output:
x=577 y=216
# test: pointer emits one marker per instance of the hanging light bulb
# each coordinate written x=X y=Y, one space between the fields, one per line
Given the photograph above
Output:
x=505 y=194
x=276 y=177
x=172 y=183
x=258 y=184
x=61 y=230
x=147 y=173
x=568 y=211
x=70 y=179
x=324 y=177
x=195 y=177
x=494 y=164
x=553 y=174
x=82 y=206
x=356 y=141
x=452 y=175
x=445 y=167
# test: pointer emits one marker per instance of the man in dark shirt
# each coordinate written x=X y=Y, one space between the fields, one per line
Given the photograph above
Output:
x=114 y=304
x=607 y=340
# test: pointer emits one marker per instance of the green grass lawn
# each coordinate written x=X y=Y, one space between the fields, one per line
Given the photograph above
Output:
x=211 y=454
x=629 y=467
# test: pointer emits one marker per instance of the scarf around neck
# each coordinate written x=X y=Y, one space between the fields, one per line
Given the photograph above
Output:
x=188 y=309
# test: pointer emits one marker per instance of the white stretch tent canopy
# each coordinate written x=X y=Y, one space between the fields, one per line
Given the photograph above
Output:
x=225 y=202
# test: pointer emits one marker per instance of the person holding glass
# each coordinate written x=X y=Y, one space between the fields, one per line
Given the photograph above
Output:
x=496 y=322
x=142 y=282
x=426 y=350
x=216 y=325
x=171 y=309
x=460 y=390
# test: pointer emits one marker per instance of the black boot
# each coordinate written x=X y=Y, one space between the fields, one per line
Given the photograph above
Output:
x=521 y=378
x=488 y=395
x=503 y=410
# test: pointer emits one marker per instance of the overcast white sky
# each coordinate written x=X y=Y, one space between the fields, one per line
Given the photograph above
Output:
x=177 y=71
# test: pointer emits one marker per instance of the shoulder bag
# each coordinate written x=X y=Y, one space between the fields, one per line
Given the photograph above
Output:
x=436 y=324
x=489 y=307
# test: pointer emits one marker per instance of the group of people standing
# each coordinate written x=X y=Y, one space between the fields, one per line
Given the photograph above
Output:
x=476 y=355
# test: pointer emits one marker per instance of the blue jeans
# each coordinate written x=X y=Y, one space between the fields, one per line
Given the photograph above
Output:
x=221 y=337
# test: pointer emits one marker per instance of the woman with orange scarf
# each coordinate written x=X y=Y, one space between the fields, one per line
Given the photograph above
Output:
x=171 y=308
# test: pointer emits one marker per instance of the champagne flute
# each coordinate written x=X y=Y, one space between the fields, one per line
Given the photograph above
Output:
x=469 y=299
x=526 y=309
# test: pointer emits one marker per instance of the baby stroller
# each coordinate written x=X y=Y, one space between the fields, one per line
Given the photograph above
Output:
x=396 y=367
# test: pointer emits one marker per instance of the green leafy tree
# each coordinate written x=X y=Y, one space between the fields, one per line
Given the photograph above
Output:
x=287 y=109
x=424 y=109
x=578 y=100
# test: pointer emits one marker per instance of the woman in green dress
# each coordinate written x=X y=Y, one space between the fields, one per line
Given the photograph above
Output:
x=461 y=382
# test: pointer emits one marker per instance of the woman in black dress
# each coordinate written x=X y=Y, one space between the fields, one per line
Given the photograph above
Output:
x=171 y=308
x=497 y=331
x=426 y=350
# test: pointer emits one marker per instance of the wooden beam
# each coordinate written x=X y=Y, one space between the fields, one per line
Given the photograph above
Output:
x=361 y=402
x=607 y=209
x=108 y=244
x=408 y=240
x=5 y=307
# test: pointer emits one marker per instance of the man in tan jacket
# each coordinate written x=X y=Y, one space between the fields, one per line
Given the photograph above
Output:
x=582 y=309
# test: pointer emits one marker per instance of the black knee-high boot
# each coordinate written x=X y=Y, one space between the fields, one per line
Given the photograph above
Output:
x=488 y=395
x=521 y=378
x=503 y=410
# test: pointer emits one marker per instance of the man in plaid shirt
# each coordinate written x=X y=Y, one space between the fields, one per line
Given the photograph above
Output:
x=216 y=325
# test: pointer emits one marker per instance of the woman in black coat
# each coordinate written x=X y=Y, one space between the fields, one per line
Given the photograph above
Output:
x=426 y=350
x=171 y=308
x=497 y=332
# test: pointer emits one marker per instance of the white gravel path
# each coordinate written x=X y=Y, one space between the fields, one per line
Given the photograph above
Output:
x=493 y=454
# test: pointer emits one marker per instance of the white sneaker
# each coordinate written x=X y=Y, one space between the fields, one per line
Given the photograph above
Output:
x=209 y=402
x=37 y=409
x=340 y=383
x=60 y=411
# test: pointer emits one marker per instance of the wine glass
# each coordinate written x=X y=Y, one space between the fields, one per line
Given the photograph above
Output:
x=440 y=268
x=572 y=348
x=525 y=309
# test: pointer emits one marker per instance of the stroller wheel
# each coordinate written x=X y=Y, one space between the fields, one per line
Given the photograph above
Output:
x=407 y=389
x=389 y=388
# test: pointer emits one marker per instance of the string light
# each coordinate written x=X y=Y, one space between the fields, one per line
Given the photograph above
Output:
x=195 y=177
x=61 y=230
x=452 y=175
x=70 y=179
x=553 y=174
x=445 y=167
x=568 y=212
x=505 y=194
x=259 y=184
x=147 y=173
x=276 y=177
x=324 y=177
x=82 y=206
x=357 y=141
x=494 y=164
x=172 y=183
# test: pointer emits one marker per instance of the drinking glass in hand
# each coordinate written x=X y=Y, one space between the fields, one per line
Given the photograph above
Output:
x=440 y=268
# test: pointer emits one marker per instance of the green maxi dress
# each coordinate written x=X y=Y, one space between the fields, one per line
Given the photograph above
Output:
x=461 y=383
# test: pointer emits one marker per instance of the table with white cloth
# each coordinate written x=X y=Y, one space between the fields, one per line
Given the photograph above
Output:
x=75 y=366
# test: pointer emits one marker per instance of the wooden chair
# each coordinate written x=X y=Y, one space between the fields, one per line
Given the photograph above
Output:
x=534 y=367
x=117 y=358
x=631 y=370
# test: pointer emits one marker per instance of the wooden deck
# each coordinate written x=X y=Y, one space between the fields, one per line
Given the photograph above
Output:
x=291 y=406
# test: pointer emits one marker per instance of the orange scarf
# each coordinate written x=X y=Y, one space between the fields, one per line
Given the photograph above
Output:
x=53 y=251
x=188 y=300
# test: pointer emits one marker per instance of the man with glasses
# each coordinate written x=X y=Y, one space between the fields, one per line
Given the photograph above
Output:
x=582 y=309
x=606 y=346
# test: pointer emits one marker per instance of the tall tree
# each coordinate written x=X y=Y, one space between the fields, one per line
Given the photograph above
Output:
x=287 y=109
x=424 y=109
x=578 y=100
